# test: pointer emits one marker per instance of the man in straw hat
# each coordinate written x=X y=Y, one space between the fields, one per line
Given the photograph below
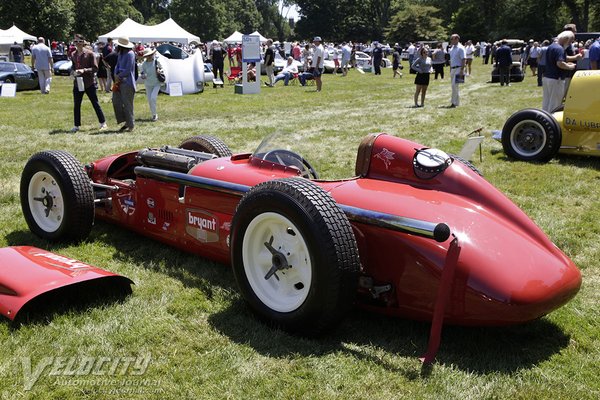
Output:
x=124 y=87
x=84 y=67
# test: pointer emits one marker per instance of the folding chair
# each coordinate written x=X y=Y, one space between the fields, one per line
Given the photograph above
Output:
x=234 y=74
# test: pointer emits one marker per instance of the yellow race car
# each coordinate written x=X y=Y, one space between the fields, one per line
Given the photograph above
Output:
x=574 y=128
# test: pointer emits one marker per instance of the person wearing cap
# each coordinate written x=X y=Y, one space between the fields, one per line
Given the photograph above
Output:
x=318 y=62
x=151 y=82
x=84 y=67
x=41 y=60
x=377 y=57
x=124 y=86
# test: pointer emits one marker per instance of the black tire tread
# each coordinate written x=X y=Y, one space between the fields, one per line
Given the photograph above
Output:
x=207 y=144
x=467 y=163
x=77 y=191
x=542 y=117
x=332 y=223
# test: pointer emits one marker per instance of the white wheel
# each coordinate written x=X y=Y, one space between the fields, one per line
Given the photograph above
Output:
x=294 y=256
x=57 y=198
x=277 y=262
x=45 y=201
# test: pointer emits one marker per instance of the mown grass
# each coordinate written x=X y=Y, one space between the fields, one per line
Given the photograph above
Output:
x=185 y=312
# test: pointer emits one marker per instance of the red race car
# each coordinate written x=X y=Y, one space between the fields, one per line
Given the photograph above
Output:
x=416 y=233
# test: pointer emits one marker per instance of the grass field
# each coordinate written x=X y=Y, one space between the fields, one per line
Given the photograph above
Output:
x=185 y=317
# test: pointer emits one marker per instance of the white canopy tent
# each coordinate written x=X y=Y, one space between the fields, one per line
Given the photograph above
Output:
x=236 y=37
x=262 y=38
x=14 y=34
x=166 y=31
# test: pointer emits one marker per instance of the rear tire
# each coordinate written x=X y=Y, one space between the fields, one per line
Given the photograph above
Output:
x=57 y=198
x=531 y=135
x=206 y=144
x=295 y=224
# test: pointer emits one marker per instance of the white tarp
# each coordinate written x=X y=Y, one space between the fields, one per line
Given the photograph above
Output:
x=166 y=31
x=236 y=37
x=14 y=34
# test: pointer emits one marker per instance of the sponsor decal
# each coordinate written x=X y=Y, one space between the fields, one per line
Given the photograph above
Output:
x=63 y=262
x=165 y=226
x=127 y=204
x=150 y=202
x=202 y=226
x=151 y=219
x=582 y=123
x=386 y=156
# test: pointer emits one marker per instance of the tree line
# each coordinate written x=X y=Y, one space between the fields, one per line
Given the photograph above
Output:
x=358 y=20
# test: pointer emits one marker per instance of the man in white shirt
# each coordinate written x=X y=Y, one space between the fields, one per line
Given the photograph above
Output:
x=41 y=60
x=288 y=72
x=346 y=53
x=318 y=62
x=457 y=67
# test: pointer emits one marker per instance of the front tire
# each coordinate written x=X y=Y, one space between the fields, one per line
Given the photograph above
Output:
x=206 y=144
x=294 y=256
x=57 y=198
x=531 y=135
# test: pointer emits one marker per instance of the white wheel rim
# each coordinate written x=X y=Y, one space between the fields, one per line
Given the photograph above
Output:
x=528 y=138
x=289 y=292
x=45 y=201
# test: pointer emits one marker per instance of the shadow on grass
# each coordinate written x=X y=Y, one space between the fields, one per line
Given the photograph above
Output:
x=477 y=350
x=572 y=160
x=362 y=335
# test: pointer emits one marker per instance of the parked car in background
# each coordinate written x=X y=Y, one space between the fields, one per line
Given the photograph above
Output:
x=62 y=67
x=19 y=73
x=574 y=128
x=182 y=68
x=516 y=70
x=362 y=59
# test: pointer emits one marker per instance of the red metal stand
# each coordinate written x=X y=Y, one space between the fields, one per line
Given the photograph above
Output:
x=443 y=295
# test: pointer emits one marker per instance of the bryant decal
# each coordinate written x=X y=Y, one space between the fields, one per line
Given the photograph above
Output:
x=202 y=226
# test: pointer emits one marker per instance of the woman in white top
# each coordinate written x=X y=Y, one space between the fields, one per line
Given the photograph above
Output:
x=151 y=81
x=422 y=66
x=469 y=53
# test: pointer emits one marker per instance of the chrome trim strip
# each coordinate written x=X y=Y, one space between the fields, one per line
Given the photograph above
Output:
x=439 y=232
x=192 y=181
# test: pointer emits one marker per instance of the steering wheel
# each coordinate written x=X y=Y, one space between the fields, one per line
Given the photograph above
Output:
x=290 y=159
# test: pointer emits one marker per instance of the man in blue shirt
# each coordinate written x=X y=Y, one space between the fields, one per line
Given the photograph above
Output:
x=125 y=85
x=556 y=64
x=504 y=62
x=594 y=55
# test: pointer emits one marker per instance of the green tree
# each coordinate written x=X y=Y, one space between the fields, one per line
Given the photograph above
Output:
x=153 y=11
x=416 y=22
x=95 y=17
x=52 y=19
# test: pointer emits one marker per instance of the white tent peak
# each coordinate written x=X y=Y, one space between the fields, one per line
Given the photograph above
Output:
x=14 y=34
x=166 y=31
x=235 y=37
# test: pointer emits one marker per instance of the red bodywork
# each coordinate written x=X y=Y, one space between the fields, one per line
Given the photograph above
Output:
x=507 y=271
x=28 y=272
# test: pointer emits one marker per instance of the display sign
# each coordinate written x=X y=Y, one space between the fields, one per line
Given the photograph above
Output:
x=9 y=90
x=175 y=89
x=251 y=48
